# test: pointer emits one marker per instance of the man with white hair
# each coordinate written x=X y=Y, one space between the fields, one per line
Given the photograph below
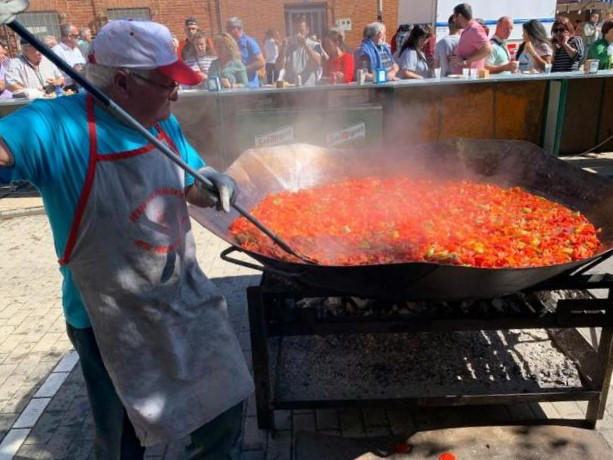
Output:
x=158 y=353
x=374 y=53
x=30 y=74
x=68 y=48
x=251 y=54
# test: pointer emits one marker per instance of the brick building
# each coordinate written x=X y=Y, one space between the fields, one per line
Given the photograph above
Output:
x=44 y=16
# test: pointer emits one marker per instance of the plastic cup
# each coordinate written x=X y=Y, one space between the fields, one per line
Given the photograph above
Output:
x=548 y=68
x=466 y=73
x=437 y=73
x=473 y=73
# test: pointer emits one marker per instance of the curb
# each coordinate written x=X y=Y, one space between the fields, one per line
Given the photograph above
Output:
x=12 y=213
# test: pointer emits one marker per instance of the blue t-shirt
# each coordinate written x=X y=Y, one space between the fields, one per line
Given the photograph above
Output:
x=49 y=141
x=249 y=49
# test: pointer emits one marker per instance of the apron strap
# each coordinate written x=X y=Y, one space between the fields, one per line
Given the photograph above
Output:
x=89 y=181
x=167 y=138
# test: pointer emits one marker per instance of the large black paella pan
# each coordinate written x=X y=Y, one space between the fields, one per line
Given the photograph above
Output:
x=506 y=163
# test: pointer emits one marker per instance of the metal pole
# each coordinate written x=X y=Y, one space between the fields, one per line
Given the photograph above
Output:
x=126 y=118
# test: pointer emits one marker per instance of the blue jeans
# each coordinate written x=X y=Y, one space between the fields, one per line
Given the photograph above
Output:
x=115 y=438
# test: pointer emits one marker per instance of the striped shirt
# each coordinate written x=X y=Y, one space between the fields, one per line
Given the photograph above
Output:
x=562 y=62
x=201 y=63
x=22 y=72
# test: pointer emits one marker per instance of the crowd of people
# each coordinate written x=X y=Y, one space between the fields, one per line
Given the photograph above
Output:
x=235 y=60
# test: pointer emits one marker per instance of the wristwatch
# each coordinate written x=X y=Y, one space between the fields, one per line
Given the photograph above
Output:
x=464 y=62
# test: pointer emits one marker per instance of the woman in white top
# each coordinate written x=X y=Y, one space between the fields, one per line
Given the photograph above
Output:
x=411 y=58
x=535 y=52
x=271 y=51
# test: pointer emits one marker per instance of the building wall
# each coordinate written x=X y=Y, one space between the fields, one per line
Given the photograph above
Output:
x=258 y=15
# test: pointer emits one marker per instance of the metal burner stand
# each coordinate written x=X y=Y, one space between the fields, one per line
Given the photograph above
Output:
x=273 y=313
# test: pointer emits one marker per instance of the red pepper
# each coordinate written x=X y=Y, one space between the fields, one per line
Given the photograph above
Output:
x=456 y=223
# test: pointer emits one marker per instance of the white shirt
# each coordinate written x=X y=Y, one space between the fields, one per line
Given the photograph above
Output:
x=72 y=56
x=272 y=51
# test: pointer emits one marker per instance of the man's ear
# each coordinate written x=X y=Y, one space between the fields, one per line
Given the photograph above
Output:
x=120 y=83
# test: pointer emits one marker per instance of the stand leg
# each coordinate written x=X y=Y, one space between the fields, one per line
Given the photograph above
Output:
x=596 y=407
x=259 y=354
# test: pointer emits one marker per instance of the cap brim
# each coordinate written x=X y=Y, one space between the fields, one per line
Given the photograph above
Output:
x=180 y=72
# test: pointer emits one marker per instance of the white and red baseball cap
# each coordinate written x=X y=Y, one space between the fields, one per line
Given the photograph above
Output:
x=138 y=44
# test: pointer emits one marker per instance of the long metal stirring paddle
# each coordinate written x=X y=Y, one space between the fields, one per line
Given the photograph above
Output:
x=123 y=116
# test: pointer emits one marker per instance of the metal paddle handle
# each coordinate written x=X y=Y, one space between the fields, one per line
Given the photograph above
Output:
x=126 y=118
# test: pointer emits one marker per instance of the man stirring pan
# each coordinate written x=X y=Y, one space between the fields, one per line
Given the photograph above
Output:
x=159 y=356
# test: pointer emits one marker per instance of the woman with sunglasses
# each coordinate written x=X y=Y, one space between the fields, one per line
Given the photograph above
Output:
x=534 y=54
x=569 y=51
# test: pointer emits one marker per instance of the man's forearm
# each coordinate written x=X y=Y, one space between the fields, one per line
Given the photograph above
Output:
x=257 y=64
x=280 y=64
x=481 y=54
x=313 y=56
x=14 y=86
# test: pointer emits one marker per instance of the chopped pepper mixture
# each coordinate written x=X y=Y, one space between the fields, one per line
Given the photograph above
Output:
x=382 y=221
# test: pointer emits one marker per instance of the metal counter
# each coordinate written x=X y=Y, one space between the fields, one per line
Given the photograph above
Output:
x=565 y=113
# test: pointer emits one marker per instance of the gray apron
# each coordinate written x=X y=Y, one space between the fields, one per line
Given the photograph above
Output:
x=162 y=327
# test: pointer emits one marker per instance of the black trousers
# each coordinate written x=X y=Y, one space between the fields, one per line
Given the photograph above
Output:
x=115 y=438
x=271 y=74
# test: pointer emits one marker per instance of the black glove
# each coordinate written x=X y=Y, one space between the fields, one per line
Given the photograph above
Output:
x=225 y=187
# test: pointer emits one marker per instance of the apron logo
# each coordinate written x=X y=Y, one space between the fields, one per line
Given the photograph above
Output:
x=348 y=134
x=276 y=137
x=160 y=228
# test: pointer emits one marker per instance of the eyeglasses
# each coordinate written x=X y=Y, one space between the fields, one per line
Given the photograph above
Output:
x=561 y=29
x=171 y=88
x=73 y=36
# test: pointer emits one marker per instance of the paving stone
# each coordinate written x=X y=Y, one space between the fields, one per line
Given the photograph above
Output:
x=283 y=419
x=31 y=413
x=303 y=422
x=327 y=419
x=375 y=416
x=6 y=421
x=156 y=451
x=79 y=450
x=351 y=422
x=253 y=438
x=253 y=455
x=68 y=362
x=251 y=407
x=62 y=441
x=549 y=410
x=12 y=442
x=51 y=385
x=33 y=452
x=45 y=428
x=568 y=409
x=401 y=421
x=608 y=436
x=279 y=446
x=520 y=412
x=377 y=431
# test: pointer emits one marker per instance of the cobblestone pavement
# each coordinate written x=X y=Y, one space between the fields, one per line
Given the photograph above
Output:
x=33 y=341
